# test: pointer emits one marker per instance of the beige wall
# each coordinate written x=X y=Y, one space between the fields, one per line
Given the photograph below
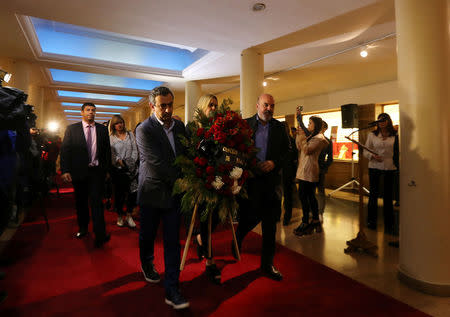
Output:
x=377 y=93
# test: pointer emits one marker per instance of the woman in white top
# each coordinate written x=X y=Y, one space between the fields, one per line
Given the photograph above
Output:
x=308 y=174
x=124 y=169
x=383 y=141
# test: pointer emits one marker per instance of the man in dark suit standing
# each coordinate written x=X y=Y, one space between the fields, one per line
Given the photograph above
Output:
x=158 y=144
x=262 y=204
x=86 y=161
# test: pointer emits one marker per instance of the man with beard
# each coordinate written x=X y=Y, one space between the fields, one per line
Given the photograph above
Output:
x=262 y=204
x=86 y=161
x=159 y=144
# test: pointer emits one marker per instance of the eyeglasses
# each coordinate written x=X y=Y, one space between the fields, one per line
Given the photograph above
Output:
x=164 y=106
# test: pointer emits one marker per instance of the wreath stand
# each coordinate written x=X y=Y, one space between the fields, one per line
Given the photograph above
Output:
x=361 y=243
x=189 y=236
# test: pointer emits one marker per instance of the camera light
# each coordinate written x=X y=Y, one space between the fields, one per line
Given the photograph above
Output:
x=53 y=126
x=264 y=83
x=363 y=53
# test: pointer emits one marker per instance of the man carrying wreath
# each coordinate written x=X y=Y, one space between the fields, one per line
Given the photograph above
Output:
x=271 y=139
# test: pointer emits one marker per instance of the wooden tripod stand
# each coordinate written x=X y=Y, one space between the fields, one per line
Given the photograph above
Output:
x=191 y=228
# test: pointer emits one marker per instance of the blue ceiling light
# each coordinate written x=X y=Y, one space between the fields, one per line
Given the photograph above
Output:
x=68 y=76
x=71 y=40
x=97 y=112
x=72 y=104
x=86 y=95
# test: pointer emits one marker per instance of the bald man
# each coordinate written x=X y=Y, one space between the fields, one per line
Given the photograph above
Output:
x=262 y=204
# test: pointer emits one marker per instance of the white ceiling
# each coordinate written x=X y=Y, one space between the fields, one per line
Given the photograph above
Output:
x=225 y=27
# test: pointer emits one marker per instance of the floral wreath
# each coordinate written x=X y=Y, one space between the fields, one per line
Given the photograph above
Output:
x=217 y=163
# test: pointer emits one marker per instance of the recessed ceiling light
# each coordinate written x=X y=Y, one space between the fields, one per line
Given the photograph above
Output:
x=363 y=53
x=264 y=83
x=259 y=6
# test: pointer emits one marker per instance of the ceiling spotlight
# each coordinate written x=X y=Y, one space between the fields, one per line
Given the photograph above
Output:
x=363 y=53
x=258 y=6
x=264 y=83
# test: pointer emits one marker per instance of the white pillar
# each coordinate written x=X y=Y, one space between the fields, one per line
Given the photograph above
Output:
x=193 y=92
x=252 y=77
x=423 y=81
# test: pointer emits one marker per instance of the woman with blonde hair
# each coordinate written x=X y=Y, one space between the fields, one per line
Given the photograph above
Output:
x=124 y=169
x=208 y=104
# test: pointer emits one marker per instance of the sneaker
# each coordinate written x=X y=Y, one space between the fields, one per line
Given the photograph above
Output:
x=120 y=221
x=130 y=222
x=176 y=300
x=150 y=273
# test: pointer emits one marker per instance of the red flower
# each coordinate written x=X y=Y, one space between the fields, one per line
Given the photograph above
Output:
x=202 y=161
x=227 y=180
x=222 y=168
x=210 y=170
x=210 y=178
x=220 y=137
x=200 y=131
x=196 y=160
x=242 y=147
x=208 y=185
x=198 y=172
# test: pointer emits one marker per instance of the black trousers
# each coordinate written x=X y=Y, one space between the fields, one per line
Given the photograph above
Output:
x=150 y=219
x=321 y=191
x=288 y=186
x=307 y=195
x=121 y=182
x=90 y=190
x=388 y=212
x=261 y=206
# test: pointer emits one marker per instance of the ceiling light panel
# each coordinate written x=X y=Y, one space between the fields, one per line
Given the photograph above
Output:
x=86 y=95
x=72 y=104
x=71 y=40
x=68 y=76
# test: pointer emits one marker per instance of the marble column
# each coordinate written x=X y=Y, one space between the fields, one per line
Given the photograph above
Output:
x=252 y=77
x=193 y=92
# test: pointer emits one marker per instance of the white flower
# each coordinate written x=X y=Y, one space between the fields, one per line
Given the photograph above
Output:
x=236 y=173
x=235 y=189
x=217 y=184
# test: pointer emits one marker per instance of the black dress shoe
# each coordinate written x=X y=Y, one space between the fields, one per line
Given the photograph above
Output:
x=150 y=273
x=213 y=273
x=272 y=272
x=80 y=234
x=100 y=242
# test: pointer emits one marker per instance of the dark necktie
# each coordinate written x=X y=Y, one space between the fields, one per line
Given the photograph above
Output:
x=89 y=143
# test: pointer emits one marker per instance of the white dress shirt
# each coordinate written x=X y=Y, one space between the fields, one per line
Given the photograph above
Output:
x=93 y=161
x=169 y=133
x=384 y=148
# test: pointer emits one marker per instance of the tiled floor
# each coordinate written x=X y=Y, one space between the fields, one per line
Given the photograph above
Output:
x=340 y=225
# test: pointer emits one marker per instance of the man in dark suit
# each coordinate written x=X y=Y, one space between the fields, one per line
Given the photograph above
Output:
x=158 y=144
x=86 y=161
x=262 y=204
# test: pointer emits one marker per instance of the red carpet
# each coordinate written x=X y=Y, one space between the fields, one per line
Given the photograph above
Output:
x=53 y=274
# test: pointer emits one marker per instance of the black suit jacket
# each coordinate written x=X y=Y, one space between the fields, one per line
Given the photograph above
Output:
x=157 y=172
x=74 y=153
x=277 y=149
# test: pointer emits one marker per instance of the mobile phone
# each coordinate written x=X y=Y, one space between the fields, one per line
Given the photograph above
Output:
x=300 y=108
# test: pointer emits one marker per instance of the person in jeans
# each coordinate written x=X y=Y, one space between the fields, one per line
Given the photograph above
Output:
x=158 y=141
x=124 y=169
x=384 y=142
